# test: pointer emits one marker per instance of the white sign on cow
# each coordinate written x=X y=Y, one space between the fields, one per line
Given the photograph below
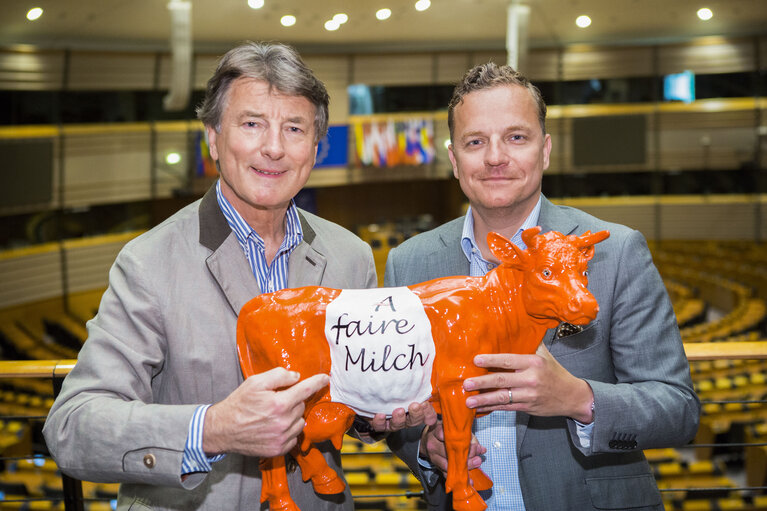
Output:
x=381 y=349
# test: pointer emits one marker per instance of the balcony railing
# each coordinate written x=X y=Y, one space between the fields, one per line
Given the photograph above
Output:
x=370 y=488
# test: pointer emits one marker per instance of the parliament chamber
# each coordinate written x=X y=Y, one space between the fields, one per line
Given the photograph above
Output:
x=78 y=183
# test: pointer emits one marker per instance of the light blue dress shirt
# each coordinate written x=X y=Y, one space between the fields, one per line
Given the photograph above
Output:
x=497 y=431
x=270 y=278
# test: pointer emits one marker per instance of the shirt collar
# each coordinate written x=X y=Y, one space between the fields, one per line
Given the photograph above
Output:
x=469 y=242
x=243 y=231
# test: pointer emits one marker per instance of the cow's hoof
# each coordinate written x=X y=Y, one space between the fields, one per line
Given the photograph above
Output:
x=328 y=484
x=283 y=504
x=468 y=501
x=479 y=480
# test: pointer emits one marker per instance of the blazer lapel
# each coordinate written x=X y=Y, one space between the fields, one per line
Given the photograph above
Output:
x=227 y=263
x=306 y=265
x=453 y=258
x=551 y=218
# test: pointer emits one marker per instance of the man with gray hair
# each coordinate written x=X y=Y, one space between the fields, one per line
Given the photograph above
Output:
x=157 y=401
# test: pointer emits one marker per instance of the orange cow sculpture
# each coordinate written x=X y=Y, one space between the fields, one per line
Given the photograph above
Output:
x=508 y=310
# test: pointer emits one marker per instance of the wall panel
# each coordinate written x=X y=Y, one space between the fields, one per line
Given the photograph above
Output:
x=89 y=260
x=585 y=64
x=451 y=67
x=402 y=69
x=714 y=55
x=31 y=70
x=107 y=167
x=30 y=274
x=111 y=71
x=700 y=219
x=543 y=65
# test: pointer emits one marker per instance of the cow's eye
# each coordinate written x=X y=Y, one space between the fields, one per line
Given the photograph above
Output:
x=546 y=273
x=586 y=273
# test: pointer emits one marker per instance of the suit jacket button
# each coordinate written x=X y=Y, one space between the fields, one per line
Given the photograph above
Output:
x=149 y=460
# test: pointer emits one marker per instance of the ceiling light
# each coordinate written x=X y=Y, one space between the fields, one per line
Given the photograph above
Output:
x=583 y=21
x=255 y=4
x=34 y=13
x=172 y=158
x=288 y=20
x=383 y=14
x=341 y=18
x=705 y=14
x=422 y=5
x=332 y=25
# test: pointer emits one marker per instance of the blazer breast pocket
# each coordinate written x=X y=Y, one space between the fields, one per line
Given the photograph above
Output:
x=568 y=340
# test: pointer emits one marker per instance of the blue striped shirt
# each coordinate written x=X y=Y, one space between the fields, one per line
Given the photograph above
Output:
x=271 y=277
x=497 y=431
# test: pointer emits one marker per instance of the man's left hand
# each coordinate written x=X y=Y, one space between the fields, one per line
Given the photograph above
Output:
x=537 y=384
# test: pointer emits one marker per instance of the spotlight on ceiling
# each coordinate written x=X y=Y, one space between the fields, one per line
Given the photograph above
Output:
x=583 y=21
x=705 y=14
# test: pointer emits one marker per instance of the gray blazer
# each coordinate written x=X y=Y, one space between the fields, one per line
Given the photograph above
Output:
x=631 y=355
x=163 y=342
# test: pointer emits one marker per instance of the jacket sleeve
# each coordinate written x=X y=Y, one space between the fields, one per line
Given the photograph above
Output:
x=647 y=400
x=105 y=425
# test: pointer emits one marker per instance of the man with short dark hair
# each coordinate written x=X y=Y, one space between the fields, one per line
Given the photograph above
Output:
x=567 y=425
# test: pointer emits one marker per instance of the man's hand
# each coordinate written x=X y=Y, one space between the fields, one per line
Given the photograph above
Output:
x=257 y=419
x=417 y=414
x=432 y=448
x=539 y=385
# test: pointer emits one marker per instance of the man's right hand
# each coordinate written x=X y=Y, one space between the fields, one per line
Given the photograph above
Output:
x=432 y=448
x=257 y=419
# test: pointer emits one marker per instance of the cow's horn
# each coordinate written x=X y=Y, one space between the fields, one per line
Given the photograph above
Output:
x=588 y=239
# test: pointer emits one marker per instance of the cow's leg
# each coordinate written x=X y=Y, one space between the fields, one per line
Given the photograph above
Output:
x=274 y=484
x=457 y=419
x=325 y=421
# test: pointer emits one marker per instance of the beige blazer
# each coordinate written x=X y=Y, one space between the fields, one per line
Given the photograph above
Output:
x=163 y=342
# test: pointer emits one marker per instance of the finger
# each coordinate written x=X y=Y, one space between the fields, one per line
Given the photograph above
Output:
x=273 y=379
x=495 y=398
x=304 y=389
x=429 y=414
x=507 y=361
x=500 y=380
x=378 y=422
x=398 y=420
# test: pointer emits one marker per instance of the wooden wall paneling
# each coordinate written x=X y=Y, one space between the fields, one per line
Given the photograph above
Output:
x=482 y=57
x=111 y=71
x=585 y=63
x=30 y=274
x=399 y=69
x=173 y=138
x=106 y=167
x=31 y=70
x=707 y=55
x=89 y=261
x=698 y=218
x=451 y=67
x=723 y=140
x=543 y=65
x=334 y=72
x=204 y=66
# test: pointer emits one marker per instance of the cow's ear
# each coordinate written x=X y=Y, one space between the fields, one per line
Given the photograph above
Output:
x=505 y=251
x=529 y=236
